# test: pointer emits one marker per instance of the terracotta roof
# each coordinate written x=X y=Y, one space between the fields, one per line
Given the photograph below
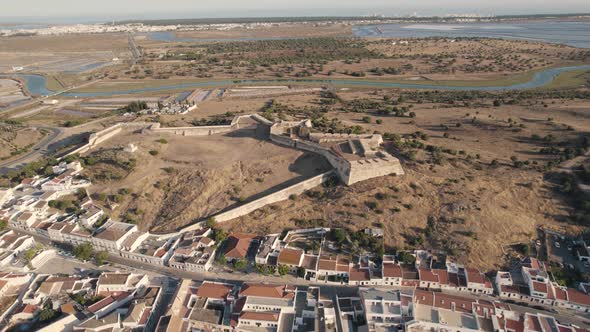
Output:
x=533 y=324
x=501 y=305
x=514 y=325
x=114 y=231
x=290 y=256
x=427 y=275
x=475 y=276
x=29 y=309
x=578 y=297
x=443 y=276
x=560 y=294
x=101 y=304
x=392 y=270
x=113 y=278
x=263 y=290
x=531 y=262
x=452 y=302
x=328 y=264
x=357 y=274
x=262 y=316
x=509 y=289
x=237 y=245
x=540 y=287
x=310 y=262
x=213 y=290
x=68 y=308
x=423 y=297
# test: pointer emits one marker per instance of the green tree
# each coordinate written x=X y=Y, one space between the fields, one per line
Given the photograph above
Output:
x=3 y=225
x=240 y=264
x=301 y=272
x=101 y=257
x=84 y=251
x=406 y=258
x=338 y=234
x=283 y=270
x=29 y=254
x=221 y=260
x=210 y=222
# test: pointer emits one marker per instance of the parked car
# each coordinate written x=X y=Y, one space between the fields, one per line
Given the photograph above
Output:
x=538 y=243
x=557 y=245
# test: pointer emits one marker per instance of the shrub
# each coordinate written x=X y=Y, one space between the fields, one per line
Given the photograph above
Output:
x=84 y=251
x=154 y=152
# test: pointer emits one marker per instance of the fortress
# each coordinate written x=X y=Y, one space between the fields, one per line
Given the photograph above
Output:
x=354 y=157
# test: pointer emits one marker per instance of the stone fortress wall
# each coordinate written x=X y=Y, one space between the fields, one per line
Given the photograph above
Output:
x=104 y=135
x=279 y=196
x=371 y=161
x=368 y=161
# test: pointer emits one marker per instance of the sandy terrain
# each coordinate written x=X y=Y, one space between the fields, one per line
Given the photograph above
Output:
x=71 y=53
x=194 y=177
x=14 y=139
x=10 y=93
x=478 y=206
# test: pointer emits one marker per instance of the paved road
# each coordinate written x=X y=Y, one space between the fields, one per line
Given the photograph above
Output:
x=40 y=149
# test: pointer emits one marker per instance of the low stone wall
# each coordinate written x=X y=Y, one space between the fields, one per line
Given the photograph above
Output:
x=108 y=133
x=323 y=137
x=195 y=131
x=278 y=196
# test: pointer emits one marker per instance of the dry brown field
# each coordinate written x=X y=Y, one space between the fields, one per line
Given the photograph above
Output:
x=192 y=178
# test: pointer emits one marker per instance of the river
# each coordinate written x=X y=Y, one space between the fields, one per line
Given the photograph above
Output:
x=576 y=34
x=37 y=85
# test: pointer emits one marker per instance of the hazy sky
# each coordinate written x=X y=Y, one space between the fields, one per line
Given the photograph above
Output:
x=231 y=8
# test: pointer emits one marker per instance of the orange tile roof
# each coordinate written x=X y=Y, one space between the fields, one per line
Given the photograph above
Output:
x=290 y=256
x=68 y=308
x=392 y=270
x=540 y=287
x=443 y=276
x=578 y=297
x=262 y=316
x=29 y=309
x=560 y=294
x=533 y=324
x=450 y=302
x=357 y=274
x=213 y=290
x=475 y=276
x=427 y=275
x=514 y=325
x=327 y=264
x=237 y=246
x=264 y=290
